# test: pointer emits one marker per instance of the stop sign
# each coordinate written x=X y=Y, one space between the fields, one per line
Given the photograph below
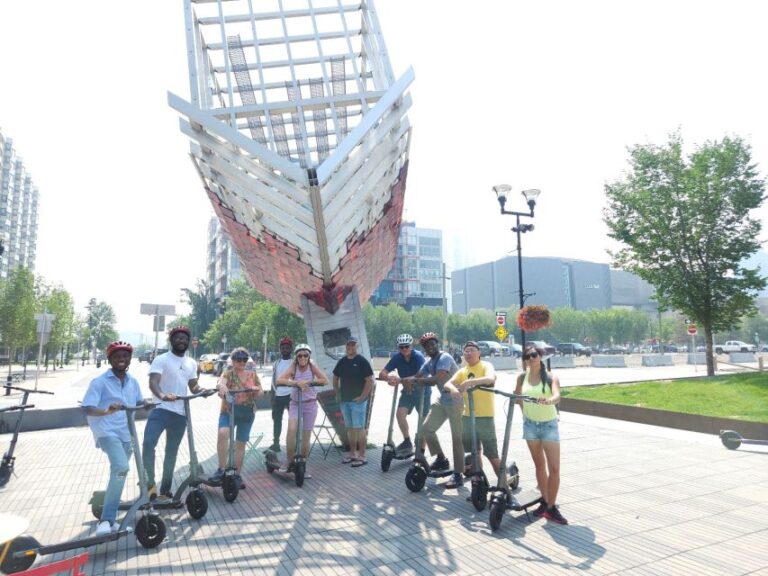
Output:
x=692 y=329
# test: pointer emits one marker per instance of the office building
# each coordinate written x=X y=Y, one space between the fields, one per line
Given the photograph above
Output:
x=223 y=265
x=18 y=210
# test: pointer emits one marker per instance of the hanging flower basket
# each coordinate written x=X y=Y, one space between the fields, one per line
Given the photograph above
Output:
x=533 y=318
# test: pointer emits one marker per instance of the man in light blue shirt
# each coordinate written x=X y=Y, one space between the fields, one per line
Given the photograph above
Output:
x=103 y=400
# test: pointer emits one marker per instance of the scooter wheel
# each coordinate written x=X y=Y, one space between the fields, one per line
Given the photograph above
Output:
x=386 y=459
x=20 y=544
x=150 y=530
x=97 y=504
x=230 y=488
x=479 y=494
x=415 y=478
x=496 y=514
x=5 y=473
x=197 y=504
x=299 y=469
x=730 y=439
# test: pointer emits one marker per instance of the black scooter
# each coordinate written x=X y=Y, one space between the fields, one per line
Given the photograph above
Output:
x=480 y=485
x=271 y=460
x=149 y=528
x=388 y=452
x=732 y=440
x=196 y=501
x=6 y=467
x=502 y=497
x=420 y=470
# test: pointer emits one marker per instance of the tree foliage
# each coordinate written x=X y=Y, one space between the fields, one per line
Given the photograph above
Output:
x=17 y=310
x=685 y=226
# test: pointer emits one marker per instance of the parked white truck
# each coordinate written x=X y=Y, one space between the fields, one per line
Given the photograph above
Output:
x=734 y=346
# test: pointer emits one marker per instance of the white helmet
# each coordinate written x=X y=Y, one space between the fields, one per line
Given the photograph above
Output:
x=302 y=347
x=404 y=340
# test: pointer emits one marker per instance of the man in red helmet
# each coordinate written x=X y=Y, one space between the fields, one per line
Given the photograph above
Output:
x=280 y=396
x=170 y=375
x=103 y=400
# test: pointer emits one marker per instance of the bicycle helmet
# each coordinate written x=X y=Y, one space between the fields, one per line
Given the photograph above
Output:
x=302 y=347
x=286 y=340
x=181 y=328
x=427 y=337
x=118 y=345
x=404 y=340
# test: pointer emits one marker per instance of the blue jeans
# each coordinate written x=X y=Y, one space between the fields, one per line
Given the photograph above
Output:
x=119 y=453
x=354 y=413
x=174 y=425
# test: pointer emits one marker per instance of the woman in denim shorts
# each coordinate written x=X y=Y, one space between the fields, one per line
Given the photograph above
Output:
x=540 y=429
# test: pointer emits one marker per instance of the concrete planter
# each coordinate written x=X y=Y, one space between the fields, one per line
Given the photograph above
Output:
x=691 y=422
x=657 y=360
x=608 y=361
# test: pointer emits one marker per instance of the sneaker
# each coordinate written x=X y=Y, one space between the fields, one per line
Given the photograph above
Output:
x=164 y=498
x=553 y=514
x=103 y=528
x=115 y=527
x=539 y=512
x=217 y=476
x=456 y=481
x=440 y=464
x=275 y=447
x=405 y=447
x=240 y=483
x=152 y=491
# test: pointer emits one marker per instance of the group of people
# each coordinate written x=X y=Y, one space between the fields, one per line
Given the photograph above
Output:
x=173 y=374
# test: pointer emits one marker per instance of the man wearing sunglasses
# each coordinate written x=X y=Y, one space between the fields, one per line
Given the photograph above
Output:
x=407 y=362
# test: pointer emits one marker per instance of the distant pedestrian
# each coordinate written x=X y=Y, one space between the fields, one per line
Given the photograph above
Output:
x=353 y=382
x=170 y=375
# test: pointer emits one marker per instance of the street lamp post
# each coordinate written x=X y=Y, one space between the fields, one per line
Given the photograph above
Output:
x=530 y=196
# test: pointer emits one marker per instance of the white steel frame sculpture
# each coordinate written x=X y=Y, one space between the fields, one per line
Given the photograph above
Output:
x=300 y=136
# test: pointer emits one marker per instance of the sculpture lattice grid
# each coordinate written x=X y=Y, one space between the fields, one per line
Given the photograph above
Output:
x=300 y=136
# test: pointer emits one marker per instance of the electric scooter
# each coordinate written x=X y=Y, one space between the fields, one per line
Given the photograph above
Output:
x=502 y=497
x=196 y=501
x=732 y=440
x=479 y=493
x=6 y=467
x=149 y=528
x=388 y=452
x=298 y=469
x=420 y=469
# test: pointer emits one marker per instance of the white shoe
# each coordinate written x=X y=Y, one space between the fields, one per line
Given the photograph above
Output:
x=115 y=527
x=103 y=528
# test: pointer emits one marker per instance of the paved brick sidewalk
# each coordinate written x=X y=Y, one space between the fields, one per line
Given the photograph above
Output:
x=640 y=499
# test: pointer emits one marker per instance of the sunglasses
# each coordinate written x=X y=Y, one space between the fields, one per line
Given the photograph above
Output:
x=530 y=355
x=404 y=346
x=302 y=355
x=240 y=358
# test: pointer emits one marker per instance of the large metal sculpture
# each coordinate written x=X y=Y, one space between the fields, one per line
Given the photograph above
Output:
x=300 y=136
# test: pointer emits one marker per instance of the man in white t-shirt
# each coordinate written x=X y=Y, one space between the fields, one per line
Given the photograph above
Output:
x=281 y=395
x=170 y=375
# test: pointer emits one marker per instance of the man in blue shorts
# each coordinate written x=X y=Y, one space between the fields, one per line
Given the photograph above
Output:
x=407 y=362
x=353 y=382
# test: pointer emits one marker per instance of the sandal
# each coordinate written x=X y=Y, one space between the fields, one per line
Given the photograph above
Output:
x=357 y=462
x=347 y=459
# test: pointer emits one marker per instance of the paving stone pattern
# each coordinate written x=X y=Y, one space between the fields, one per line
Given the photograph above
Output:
x=641 y=500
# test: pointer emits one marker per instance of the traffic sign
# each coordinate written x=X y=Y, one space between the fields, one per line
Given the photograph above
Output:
x=501 y=318
x=692 y=329
x=501 y=333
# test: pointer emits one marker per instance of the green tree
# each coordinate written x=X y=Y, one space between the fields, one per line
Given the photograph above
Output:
x=685 y=226
x=57 y=301
x=202 y=301
x=17 y=311
x=568 y=325
x=101 y=322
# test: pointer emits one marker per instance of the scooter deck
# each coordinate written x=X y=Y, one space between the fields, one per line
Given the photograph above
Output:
x=524 y=500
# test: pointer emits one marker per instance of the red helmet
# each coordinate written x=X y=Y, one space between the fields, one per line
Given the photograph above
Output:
x=118 y=345
x=286 y=340
x=180 y=328
x=426 y=337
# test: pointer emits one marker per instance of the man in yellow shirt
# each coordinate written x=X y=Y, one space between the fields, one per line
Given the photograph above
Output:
x=478 y=372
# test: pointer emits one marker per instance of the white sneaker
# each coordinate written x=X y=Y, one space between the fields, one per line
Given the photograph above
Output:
x=103 y=528
x=115 y=527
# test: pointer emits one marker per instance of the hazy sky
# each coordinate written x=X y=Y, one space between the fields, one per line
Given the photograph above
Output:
x=534 y=94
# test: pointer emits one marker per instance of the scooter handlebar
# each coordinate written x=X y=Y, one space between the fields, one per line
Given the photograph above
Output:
x=16 y=407
x=313 y=383
x=204 y=393
x=30 y=390
x=140 y=407
x=510 y=395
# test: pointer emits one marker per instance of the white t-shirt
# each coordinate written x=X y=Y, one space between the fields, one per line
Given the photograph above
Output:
x=175 y=374
x=282 y=366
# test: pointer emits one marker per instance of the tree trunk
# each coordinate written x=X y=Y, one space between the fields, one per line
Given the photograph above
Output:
x=710 y=351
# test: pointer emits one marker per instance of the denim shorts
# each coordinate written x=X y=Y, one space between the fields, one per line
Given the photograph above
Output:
x=354 y=413
x=411 y=401
x=243 y=421
x=546 y=431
